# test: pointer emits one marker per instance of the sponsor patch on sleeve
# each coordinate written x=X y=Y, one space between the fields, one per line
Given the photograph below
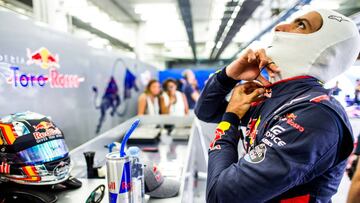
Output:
x=257 y=154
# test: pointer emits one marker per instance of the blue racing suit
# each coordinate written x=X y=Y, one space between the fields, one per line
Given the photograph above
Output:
x=297 y=142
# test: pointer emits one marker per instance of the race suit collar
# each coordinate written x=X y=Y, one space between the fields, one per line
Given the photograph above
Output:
x=294 y=84
x=288 y=79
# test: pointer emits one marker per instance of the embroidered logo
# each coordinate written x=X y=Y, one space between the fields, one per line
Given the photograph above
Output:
x=219 y=132
x=271 y=136
x=257 y=154
x=338 y=18
x=290 y=120
x=252 y=131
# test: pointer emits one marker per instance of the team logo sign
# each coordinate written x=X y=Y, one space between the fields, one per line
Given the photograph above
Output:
x=43 y=58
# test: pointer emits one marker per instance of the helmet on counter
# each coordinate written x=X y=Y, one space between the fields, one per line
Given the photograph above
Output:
x=32 y=150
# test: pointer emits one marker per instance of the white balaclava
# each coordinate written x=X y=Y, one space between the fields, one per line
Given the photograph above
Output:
x=323 y=54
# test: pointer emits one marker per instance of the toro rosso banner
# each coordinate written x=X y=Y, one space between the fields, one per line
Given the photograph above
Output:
x=86 y=90
x=45 y=61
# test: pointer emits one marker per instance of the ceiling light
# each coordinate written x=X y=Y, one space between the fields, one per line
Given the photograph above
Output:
x=156 y=11
x=237 y=8
x=219 y=44
x=230 y=22
x=233 y=15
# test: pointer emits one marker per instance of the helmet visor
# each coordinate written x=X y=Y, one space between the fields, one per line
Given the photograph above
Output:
x=45 y=152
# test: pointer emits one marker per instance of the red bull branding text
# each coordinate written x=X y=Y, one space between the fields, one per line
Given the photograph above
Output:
x=47 y=61
x=119 y=178
x=45 y=130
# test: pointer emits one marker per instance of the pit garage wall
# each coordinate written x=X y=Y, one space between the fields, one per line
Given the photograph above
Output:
x=37 y=51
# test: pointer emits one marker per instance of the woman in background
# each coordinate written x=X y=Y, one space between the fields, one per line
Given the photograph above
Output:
x=172 y=101
x=148 y=102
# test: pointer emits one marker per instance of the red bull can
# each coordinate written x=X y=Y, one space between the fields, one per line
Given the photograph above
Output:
x=118 y=177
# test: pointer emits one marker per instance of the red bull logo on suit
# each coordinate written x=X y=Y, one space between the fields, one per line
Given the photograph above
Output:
x=220 y=131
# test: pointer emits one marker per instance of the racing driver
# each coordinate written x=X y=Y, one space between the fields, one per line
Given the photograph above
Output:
x=297 y=137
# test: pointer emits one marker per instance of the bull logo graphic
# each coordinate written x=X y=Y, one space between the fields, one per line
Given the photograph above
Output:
x=42 y=57
x=111 y=98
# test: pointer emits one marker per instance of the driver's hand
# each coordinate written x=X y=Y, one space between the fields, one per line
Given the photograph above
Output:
x=242 y=97
x=248 y=66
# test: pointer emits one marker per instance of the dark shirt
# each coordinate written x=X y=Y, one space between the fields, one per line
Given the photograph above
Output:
x=188 y=90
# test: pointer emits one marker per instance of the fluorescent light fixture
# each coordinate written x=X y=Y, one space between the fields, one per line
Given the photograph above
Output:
x=156 y=11
x=230 y=22
x=219 y=44
x=233 y=15
x=226 y=30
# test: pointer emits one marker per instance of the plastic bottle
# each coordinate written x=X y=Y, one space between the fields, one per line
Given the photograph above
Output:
x=137 y=175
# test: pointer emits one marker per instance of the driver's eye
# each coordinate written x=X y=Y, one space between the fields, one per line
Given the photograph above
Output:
x=301 y=25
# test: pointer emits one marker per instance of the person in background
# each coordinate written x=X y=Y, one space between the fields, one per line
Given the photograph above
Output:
x=348 y=100
x=189 y=88
x=335 y=90
x=357 y=92
x=172 y=101
x=148 y=102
